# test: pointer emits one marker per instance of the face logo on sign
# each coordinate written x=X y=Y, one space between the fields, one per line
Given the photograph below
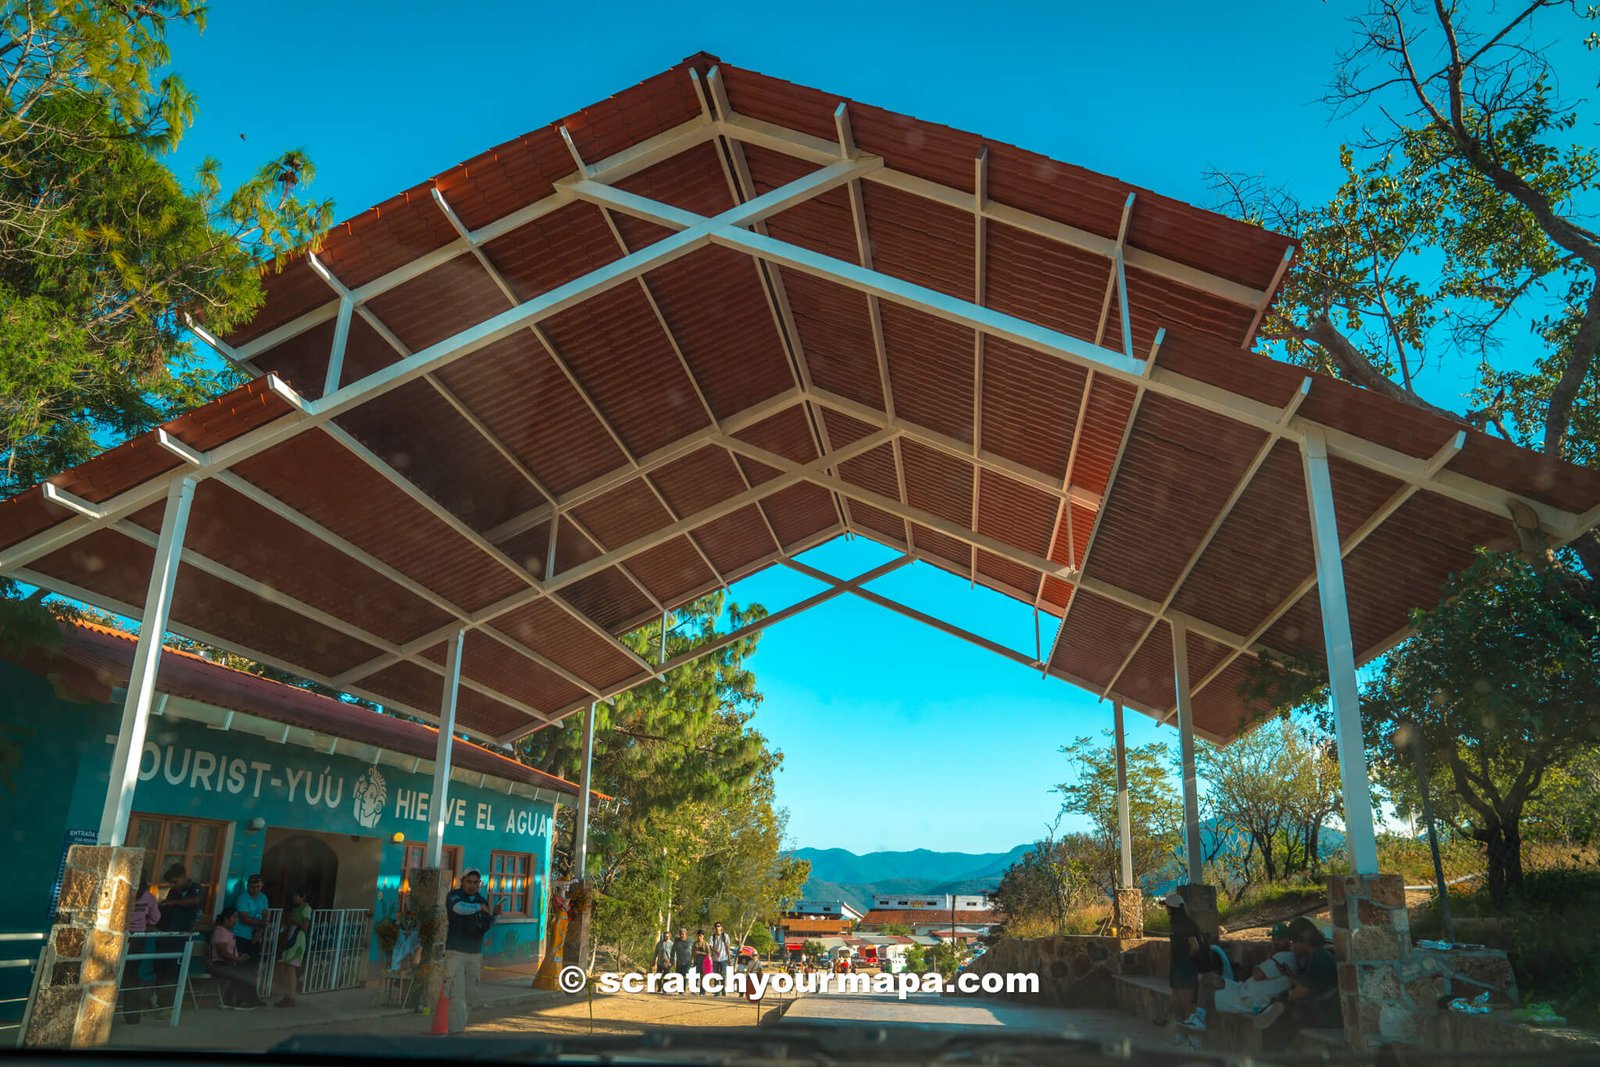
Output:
x=371 y=791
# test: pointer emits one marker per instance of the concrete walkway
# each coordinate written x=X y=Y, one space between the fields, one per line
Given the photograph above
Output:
x=348 y=1011
x=931 y=1011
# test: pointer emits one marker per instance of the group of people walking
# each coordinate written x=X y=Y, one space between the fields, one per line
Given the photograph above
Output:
x=717 y=954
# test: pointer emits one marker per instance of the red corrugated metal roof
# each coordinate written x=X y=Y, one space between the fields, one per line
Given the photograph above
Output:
x=346 y=548
x=92 y=660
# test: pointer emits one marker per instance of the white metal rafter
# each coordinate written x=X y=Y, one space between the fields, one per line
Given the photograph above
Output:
x=1216 y=524
x=736 y=168
x=724 y=640
x=980 y=283
x=1415 y=473
x=648 y=541
x=858 y=218
x=1435 y=465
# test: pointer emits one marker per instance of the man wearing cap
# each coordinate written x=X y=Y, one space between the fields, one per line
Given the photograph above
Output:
x=1312 y=999
x=1187 y=951
x=469 y=917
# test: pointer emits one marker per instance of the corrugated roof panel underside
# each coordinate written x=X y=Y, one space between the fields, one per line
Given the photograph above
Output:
x=348 y=498
x=1095 y=636
x=1180 y=467
x=547 y=629
x=237 y=533
x=519 y=393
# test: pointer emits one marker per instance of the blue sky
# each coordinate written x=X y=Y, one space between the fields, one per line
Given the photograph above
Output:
x=895 y=736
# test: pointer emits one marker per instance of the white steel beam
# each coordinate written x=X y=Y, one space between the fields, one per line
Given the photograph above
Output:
x=919 y=616
x=661 y=457
x=146 y=660
x=580 y=847
x=815 y=149
x=738 y=634
x=1193 y=854
x=858 y=217
x=439 y=802
x=1064 y=508
x=594 y=566
x=1111 y=481
x=271 y=595
x=705 y=405
x=952 y=446
x=1266 y=299
x=742 y=187
x=980 y=283
x=1124 y=821
x=1343 y=689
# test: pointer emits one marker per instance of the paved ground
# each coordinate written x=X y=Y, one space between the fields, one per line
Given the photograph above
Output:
x=933 y=1011
x=511 y=1008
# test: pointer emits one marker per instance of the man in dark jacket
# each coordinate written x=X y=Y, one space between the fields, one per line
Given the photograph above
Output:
x=682 y=952
x=469 y=917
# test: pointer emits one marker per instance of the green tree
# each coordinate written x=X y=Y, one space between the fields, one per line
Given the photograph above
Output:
x=1503 y=681
x=1155 y=813
x=1463 y=213
x=693 y=836
x=1275 y=787
x=103 y=252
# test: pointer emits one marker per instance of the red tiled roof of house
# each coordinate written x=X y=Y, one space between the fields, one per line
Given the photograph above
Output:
x=814 y=926
x=928 y=917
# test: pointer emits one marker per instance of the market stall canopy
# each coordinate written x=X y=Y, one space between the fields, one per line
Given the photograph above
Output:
x=717 y=319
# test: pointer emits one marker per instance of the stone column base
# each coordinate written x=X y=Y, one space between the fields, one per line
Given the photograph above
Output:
x=1372 y=943
x=75 y=996
x=1127 y=912
x=429 y=887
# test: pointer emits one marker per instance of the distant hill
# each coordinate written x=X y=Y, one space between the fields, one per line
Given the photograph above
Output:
x=840 y=874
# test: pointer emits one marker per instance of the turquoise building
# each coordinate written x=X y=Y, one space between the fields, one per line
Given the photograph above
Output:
x=239 y=775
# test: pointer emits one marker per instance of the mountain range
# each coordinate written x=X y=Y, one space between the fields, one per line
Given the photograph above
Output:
x=838 y=874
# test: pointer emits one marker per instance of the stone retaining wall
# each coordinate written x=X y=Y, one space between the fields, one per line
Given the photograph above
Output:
x=1075 y=971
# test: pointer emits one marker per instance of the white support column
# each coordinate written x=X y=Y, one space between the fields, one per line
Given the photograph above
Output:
x=580 y=834
x=1124 y=819
x=146 y=659
x=439 y=803
x=1193 y=857
x=1340 y=648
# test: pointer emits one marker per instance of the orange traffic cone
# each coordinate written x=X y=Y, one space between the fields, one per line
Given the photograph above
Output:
x=441 y=1013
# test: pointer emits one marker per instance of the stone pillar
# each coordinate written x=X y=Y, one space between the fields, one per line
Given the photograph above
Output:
x=1127 y=911
x=75 y=996
x=1372 y=943
x=429 y=886
x=1200 y=901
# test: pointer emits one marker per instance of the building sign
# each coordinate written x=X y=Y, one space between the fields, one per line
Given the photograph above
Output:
x=292 y=786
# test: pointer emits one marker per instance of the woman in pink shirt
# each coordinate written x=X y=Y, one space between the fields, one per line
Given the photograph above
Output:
x=144 y=918
x=233 y=969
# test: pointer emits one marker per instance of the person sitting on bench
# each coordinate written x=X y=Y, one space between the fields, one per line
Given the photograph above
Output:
x=1312 y=1000
x=234 y=971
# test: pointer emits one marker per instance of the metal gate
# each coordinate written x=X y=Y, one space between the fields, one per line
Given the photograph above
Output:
x=336 y=949
x=266 y=939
